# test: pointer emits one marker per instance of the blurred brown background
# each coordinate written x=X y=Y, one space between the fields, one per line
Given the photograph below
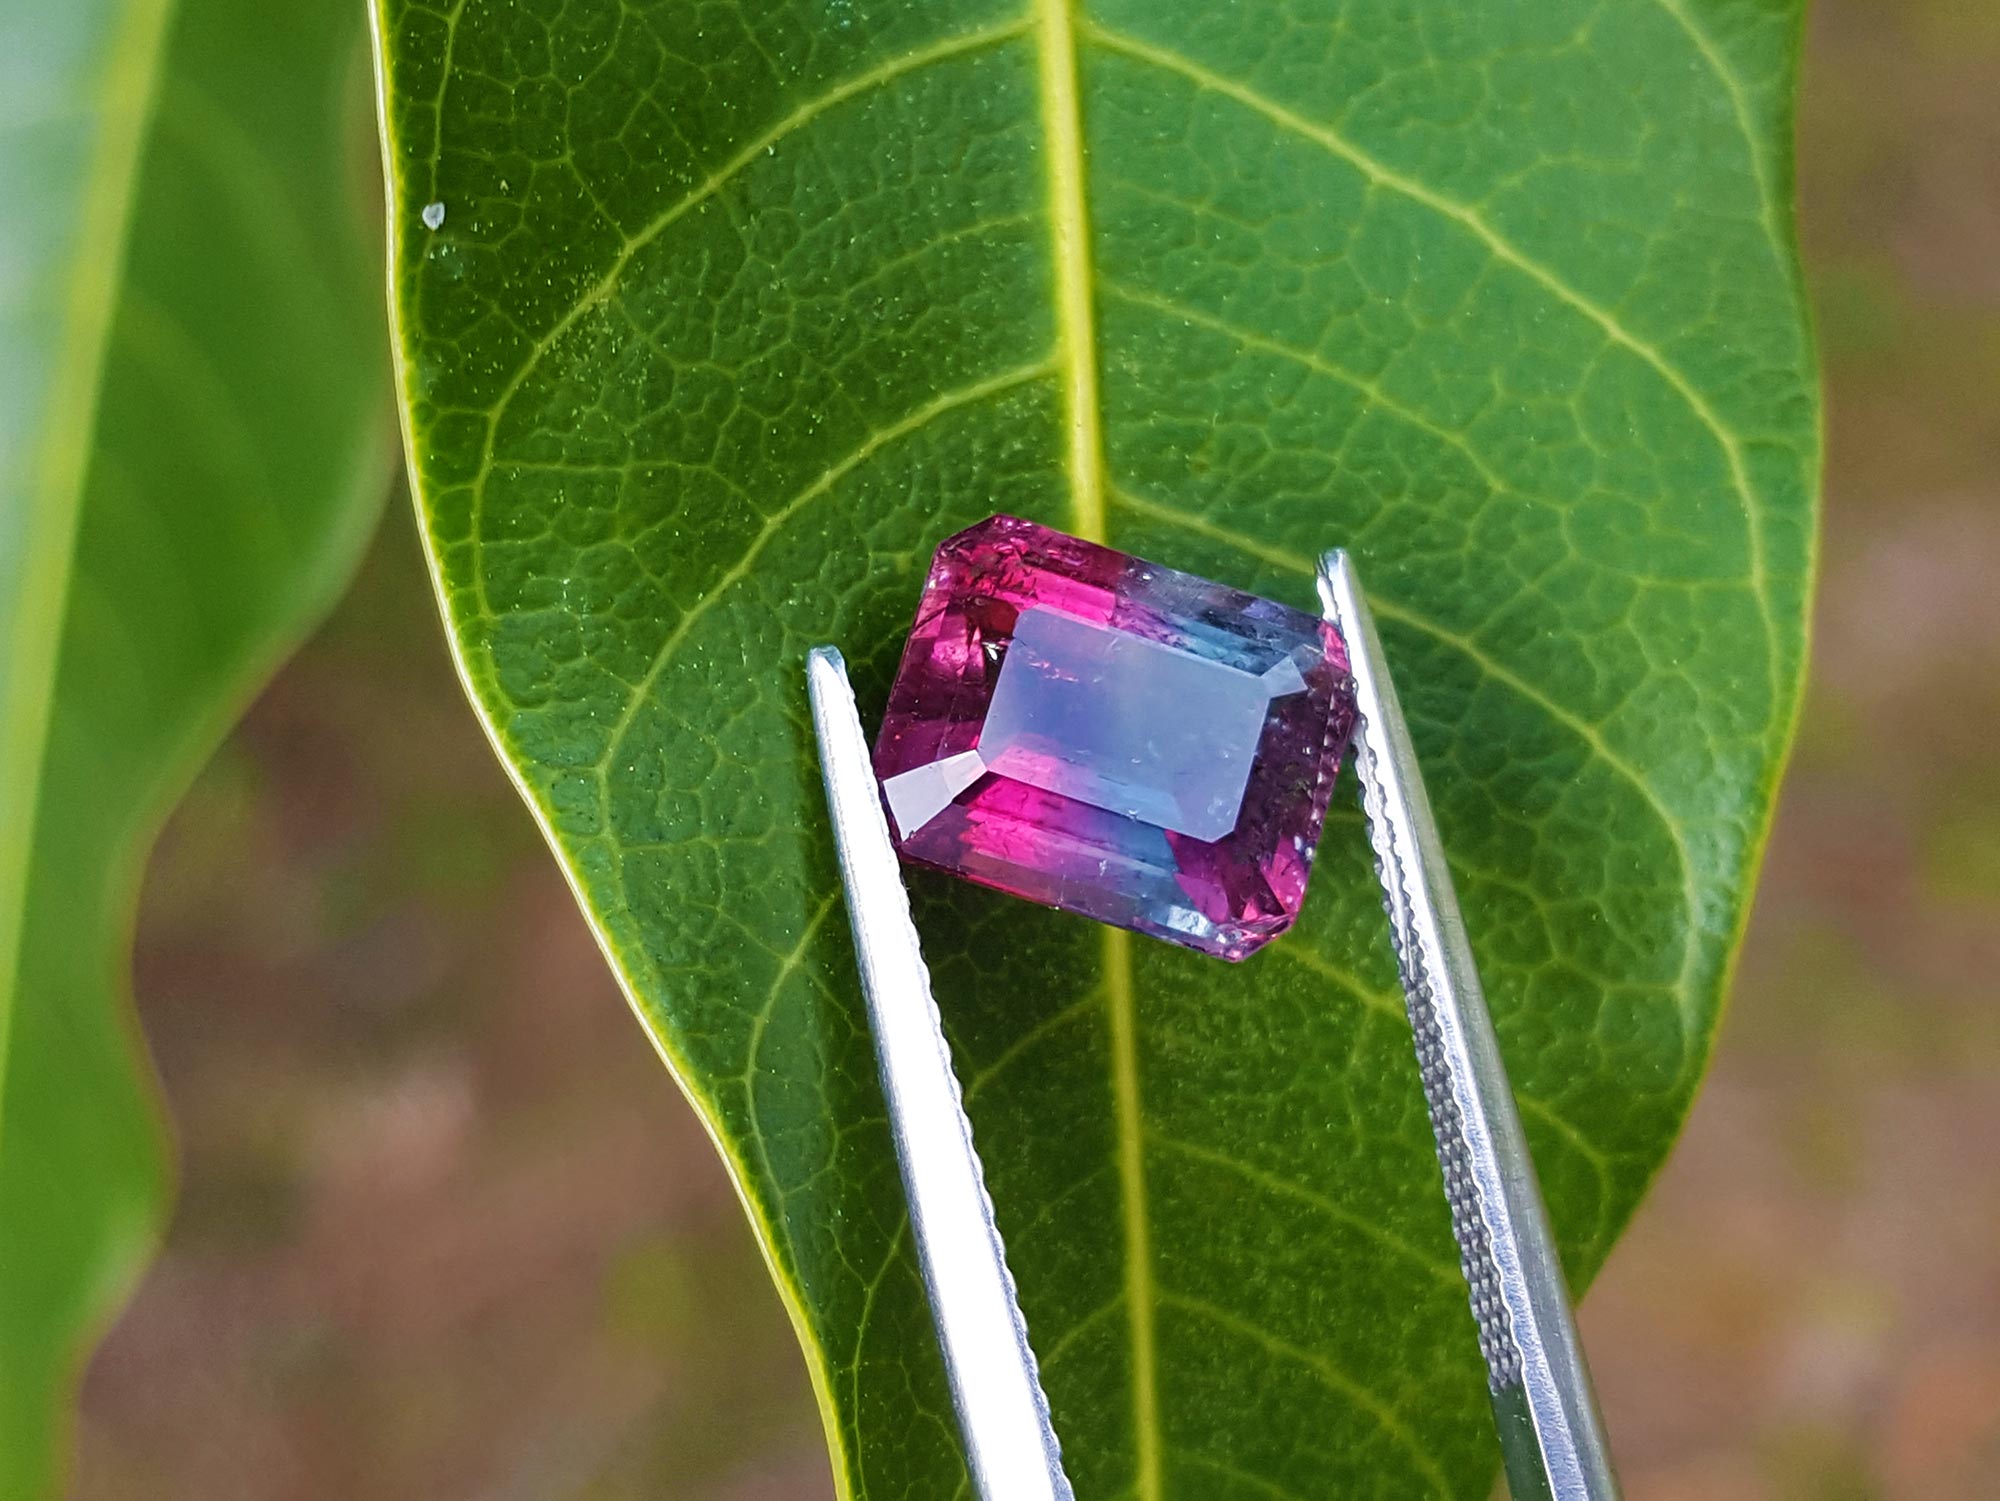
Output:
x=447 y=1231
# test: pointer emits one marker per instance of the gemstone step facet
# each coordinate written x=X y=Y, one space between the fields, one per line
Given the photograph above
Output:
x=1100 y=734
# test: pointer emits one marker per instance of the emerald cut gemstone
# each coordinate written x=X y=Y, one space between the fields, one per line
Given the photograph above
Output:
x=1096 y=733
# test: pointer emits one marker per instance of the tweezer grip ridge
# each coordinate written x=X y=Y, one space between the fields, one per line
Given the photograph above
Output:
x=992 y=1222
x=1468 y=1220
x=995 y=1379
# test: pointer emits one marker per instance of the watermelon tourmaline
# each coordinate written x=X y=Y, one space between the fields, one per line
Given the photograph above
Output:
x=1096 y=733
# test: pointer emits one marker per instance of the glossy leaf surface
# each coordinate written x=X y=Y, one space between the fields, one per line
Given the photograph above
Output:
x=714 y=319
x=191 y=454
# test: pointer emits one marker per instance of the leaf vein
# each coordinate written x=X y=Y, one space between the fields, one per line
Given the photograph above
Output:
x=1233 y=1472
x=1501 y=248
x=1739 y=101
x=1584 y=1147
x=1079 y=1329
x=1167 y=307
x=1028 y=1041
x=1446 y=1272
x=601 y=291
x=775 y=523
x=1591 y=735
x=1374 y=1000
x=1336 y=1379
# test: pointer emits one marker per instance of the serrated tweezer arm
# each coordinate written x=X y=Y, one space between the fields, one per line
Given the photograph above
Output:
x=1003 y=1414
x=1551 y=1438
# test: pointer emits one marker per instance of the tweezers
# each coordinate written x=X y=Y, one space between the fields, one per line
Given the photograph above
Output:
x=1551 y=1439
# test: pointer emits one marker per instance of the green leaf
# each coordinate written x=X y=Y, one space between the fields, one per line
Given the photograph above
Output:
x=191 y=454
x=734 y=311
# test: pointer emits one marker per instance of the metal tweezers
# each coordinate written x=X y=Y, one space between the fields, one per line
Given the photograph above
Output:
x=1551 y=1438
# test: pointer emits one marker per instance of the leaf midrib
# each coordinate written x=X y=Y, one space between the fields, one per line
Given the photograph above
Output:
x=1069 y=223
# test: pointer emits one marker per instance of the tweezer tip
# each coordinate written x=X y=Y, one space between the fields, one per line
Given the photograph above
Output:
x=1336 y=563
x=1336 y=578
x=826 y=678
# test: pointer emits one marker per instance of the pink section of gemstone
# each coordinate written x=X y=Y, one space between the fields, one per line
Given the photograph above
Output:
x=1095 y=733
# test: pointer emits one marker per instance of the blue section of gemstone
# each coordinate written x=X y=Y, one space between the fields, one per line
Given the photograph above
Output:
x=1129 y=725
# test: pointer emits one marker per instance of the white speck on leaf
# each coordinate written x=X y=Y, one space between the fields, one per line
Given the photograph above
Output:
x=434 y=215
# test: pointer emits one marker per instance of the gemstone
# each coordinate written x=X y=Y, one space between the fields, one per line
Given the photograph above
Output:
x=1096 y=733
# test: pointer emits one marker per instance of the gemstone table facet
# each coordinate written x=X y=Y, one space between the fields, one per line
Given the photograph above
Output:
x=1096 y=733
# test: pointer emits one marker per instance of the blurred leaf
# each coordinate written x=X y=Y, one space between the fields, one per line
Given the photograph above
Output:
x=191 y=454
x=715 y=319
